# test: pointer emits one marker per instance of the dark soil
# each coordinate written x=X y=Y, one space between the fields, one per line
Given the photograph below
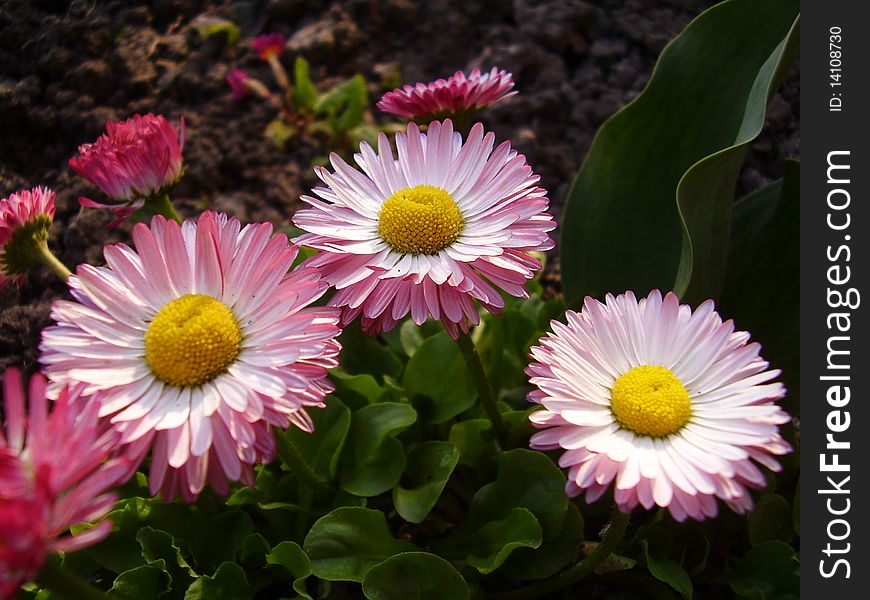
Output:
x=67 y=67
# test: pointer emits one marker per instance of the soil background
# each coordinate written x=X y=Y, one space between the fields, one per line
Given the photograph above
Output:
x=67 y=67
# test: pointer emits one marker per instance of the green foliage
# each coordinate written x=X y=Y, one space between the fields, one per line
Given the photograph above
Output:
x=429 y=466
x=437 y=372
x=210 y=25
x=414 y=576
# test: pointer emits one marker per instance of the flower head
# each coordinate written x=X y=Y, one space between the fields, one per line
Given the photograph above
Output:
x=451 y=97
x=428 y=233
x=670 y=405
x=25 y=217
x=134 y=159
x=237 y=79
x=269 y=44
x=196 y=343
x=55 y=468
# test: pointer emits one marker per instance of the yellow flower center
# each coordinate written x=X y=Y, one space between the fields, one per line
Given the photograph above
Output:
x=650 y=400
x=192 y=340
x=423 y=219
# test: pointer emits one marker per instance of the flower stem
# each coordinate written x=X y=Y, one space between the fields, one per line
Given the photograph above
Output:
x=484 y=389
x=51 y=261
x=301 y=469
x=64 y=584
x=609 y=541
x=160 y=204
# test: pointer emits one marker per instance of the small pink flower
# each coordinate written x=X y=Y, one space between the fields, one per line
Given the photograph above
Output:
x=55 y=469
x=664 y=405
x=134 y=159
x=443 y=98
x=237 y=79
x=446 y=223
x=269 y=44
x=25 y=217
x=197 y=343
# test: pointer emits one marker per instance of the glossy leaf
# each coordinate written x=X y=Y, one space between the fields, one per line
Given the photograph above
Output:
x=322 y=448
x=147 y=581
x=373 y=460
x=552 y=556
x=769 y=571
x=414 y=576
x=428 y=469
x=771 y=520
x=346 y=543
x=668 y=571
x=475 y=441
x=491 y=545
x=159 y=546
x=215 y=539
x=290 y=556
x=438 y=372
x=706 y=99
x=228 y=583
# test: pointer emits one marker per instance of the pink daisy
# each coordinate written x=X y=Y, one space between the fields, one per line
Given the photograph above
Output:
x=134 y=159
x=443 y=98
x=54 y=473
x=25 y=217
x=197 y=343
x=428 y=233
x=669 y=405
x=237 y=79
x=269 y=44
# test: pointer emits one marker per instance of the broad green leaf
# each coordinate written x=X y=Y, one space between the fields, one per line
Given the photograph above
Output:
x=216 y=538
x=706 y=100
x=228 y=583
x=764 y=274
x=438 y=372
x=209 y=25
x=290 y=556
x=362 y=354
x=475 y=441
x=147 y=581
x=546 y=561
x=504 y=348
x=428 y=468
x=364 y=387
x=411 y=337
x=159 y=546
x=322 y=448
x=491 y=545
x=769 y=571
x=771 y=520
x=414 y=576
x=279 y=133
x=304 y=93
x=346 y=543
x=344 y=104
x=373 y=460
x=254 y=550
x=668 y=571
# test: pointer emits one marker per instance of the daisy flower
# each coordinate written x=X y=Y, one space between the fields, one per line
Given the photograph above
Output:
x=25 y=217
x=197 y=343
x=444 y=224
x=671 y=406
x=454 y=96
x=134 y=160
x=55 y=469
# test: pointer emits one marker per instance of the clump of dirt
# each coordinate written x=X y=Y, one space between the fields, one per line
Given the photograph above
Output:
x=67 y=67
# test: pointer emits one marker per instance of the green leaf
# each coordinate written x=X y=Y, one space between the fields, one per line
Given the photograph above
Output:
x=159 y=546
x=362 y=354
x=304 y=92
x=364 y=387
x=290 y=556
x=216 y=538
x=771 y=520
x=552 y=556
x=322 y=448
x=491 y=545
x=438 y=372
x=475 y=441
x=209 y=25
x=346 y=543
x=769 y=571
x=414 y=576
x=228 y=583
x=704 y=102
x=147 y=581
x=279 y=133
x=764 y=273
x=254 y=550
x=426 y=473
x=373 y=460
x=411 y=337
x=504 y=348
x=344 y=104
x=668 y=571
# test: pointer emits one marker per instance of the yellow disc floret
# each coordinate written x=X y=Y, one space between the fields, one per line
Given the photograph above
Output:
x=192 y=340
x=650 y=400
x=422 y=219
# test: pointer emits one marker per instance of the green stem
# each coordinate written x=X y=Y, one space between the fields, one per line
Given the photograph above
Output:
x=484 y=389
x=160 y=204
x=66 y=585
x=609 y=541
x=51 y=261
x=301 y=469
